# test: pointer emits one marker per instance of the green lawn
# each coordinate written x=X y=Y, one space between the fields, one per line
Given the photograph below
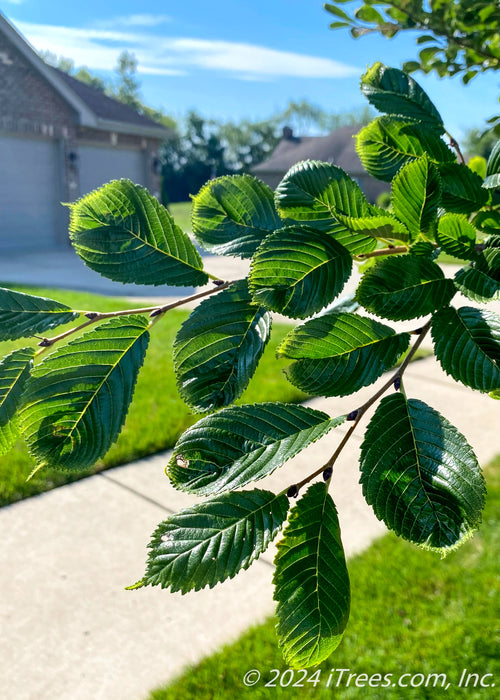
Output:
x=157 y=415
x=411 y=613
x=181 y=211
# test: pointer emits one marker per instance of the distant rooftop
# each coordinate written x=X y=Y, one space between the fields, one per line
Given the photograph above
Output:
x=103 y=106
x=338 y=147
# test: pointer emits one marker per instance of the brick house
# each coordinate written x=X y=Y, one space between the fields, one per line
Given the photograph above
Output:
x=337 y=147
x=60 y=139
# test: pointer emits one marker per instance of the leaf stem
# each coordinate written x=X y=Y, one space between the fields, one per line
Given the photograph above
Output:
x=153 y=311
x=454 y=144
x=356 y=415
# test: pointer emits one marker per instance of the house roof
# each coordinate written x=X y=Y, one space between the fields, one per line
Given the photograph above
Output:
x=103 y=106
x=93 y=108
x=338 y=147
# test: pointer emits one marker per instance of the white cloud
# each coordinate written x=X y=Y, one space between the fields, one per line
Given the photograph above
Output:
x=99 y=47
x=14 y=2
x=134 y=21
x=251 y=59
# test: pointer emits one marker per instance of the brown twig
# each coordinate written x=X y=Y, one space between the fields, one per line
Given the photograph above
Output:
x=392 y=250
x=153 y=311
x=357 y=414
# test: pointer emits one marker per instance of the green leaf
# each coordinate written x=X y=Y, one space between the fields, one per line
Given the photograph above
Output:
x=467 y=344
x=218 y=348
x=366 y=13
x=457 y=236
x=24 y=315
x=338 y=353
x=298 y=271
x=124 y=233
x=233 y=214
x=311 y=581
x=380 y=226
x=315 y=193
x=487 y=221
x=420 y=475
x=333 y=10
x=212 y=541
x=425 y=249
x=394 y=92
x=477 y=284
x=416 y=193
x=493 y=164
x=400 y=287
x=481 y=280
x=387 y=144
x=241 y=444
x=14 y=372
x=77 y=399
x=462 y=189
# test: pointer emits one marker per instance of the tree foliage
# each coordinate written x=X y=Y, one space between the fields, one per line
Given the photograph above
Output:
x=458 y=37
x=418 y=472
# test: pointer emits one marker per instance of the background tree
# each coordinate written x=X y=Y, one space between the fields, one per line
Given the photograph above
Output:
x=128 y=85
x=460 y=36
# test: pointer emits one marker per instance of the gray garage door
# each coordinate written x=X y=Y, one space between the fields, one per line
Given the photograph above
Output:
x=30 y=193
x=99 y=165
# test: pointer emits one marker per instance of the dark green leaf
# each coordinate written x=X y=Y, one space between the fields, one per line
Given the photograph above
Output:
x=481 y=280
x=381 y=226
x=338 y=353
x=416 y=193
x=77 y=399
x=298 y=270
x=462 y=189
x=478 y=284
x=14 y=371
x=457 y=236
x=400 y=287
x=241 y=444
x=387 y=144
x=394 y=92
x=311 y=581
x=24 y=315
x=425 y=249
x=420 y=475
x=124 y=233
x=314 y=193
x=487 y=221
x=212 y=541
x=218 y=348
x=233 y=214
x=467 y=344
x=493 y=164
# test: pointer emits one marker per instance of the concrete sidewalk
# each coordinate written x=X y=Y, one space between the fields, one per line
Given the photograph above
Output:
x=69 y=629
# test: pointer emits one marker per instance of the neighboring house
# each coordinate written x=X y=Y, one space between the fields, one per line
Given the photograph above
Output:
x=338 y=148
x=60 y=139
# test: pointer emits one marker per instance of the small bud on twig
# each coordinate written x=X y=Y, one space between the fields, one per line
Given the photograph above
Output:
x=156 y=312
x=218 y=283
x=418 y=331
x=91 y=315
x=327 y=473
x=352 y=415
x=45 y=343
x=292 y=492
x=397 y=383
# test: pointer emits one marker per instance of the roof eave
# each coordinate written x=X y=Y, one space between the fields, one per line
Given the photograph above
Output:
x=134 y=129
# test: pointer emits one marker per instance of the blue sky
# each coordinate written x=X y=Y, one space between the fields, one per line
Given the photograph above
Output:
x=236 y=58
